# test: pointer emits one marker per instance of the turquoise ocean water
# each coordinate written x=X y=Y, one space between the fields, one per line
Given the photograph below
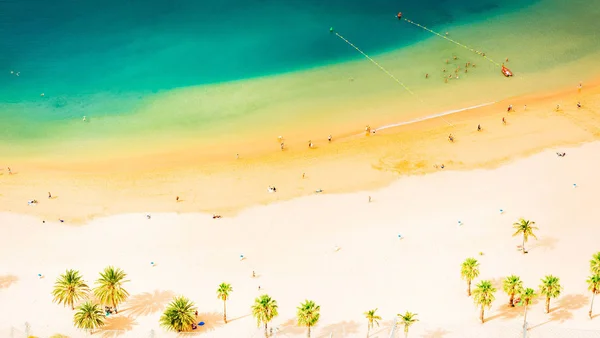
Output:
x=99 y=58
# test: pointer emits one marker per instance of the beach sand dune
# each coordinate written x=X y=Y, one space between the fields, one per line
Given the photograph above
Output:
x=291 y=246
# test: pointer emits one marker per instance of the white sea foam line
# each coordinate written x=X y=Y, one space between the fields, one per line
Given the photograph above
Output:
x=420 y=119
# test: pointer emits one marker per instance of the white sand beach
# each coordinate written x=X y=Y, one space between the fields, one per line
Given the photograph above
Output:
x=291 y=245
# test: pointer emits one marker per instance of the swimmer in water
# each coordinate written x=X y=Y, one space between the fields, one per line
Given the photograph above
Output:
x=84 y=118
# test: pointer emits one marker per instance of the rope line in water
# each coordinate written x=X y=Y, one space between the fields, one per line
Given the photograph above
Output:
x=377 y=64
x=453 y=41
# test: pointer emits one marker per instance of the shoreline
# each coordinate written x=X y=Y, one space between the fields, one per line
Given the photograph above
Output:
x=224 y=185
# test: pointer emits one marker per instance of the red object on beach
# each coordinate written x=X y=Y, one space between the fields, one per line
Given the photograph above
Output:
x=506 y=71
x=399 y=15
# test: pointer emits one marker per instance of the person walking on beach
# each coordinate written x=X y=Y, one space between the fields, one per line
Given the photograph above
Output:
x=479 y=127
x=9 y=171
x=49 y=195
x=503 y=121
x=329 y=138
x=177 y=199
x=578 y=104
x=509 y=109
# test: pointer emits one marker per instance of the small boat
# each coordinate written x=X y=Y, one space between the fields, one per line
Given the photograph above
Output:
x=399 y=15
x=506 y=71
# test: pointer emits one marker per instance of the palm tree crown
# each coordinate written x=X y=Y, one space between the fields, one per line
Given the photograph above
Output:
x=223 y=294
x=264 y=310
x=524 y=227
x=179 y=315
x=483 y=296
x=308 y=314
x=109 y=289
x=550 y=288
x=89 y=316
x=372 y=319
x=407 y=319
x=595 y=264
x=512 y=285
x=527 y=295
x=69 y=288
x=469 y=271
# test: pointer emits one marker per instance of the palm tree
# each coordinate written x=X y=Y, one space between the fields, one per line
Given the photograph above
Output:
x=550 y=288
x=372 y=320
x=407 y=320
x=69 y=288
x=264 y=310
x=110 y=287
x=223 y=294
x=594 y=286
x=524 y=227
x=512 y=285
x=527 y=295
x=483 y=295
x=595 y=264
x=88 y=317
x=308 y=314
x=179 y=315
x=469 y=271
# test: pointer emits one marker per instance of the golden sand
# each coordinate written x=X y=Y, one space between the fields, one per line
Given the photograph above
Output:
x=218 y=182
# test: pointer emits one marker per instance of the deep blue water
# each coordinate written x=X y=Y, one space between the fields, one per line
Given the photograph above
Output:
x=80 y=47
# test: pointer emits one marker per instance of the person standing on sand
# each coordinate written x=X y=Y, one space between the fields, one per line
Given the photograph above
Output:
x=49 y=195
x=177 y=199
x=578 y=104
x=9 y=171
x=503 y=121
x=329 y=138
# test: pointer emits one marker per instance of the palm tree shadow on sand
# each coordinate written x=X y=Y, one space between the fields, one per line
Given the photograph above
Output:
x=507 y=312
x=546 y=242
x=384 y=329
x=7 y=280
x=437 y=333
x=212 y=321
x=290 y=327
x=562 y=312
x=117 y=325
x=148 y=303
x=340 y=329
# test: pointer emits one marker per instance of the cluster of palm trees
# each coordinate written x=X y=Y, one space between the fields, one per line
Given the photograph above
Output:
x=407 y=320
x=70 y=288
x=550 y=287
x=181 y=314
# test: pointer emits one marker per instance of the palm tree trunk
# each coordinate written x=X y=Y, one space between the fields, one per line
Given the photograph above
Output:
x=512 y=300
x=523 y=246
x=525 y=316
x=225 y=311
x=547 y=304
x=591 y=305
x=481 y=315
x=115 y=307
x=469 y=288
x=405 y=331
x=266 y=332
x=308 y=334
x=368 y=329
